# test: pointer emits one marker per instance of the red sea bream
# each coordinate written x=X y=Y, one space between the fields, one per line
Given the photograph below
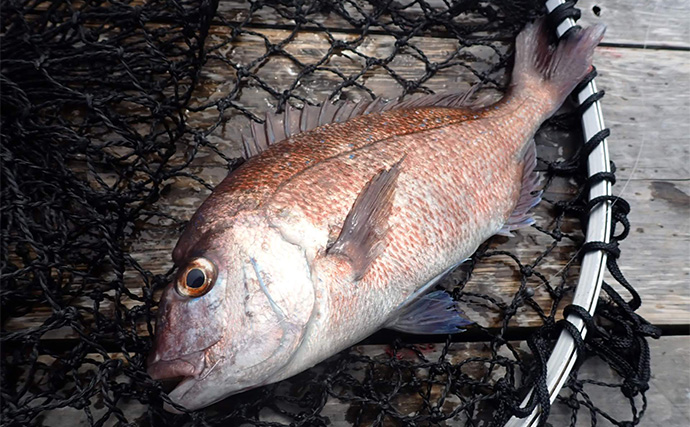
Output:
x=343 y=218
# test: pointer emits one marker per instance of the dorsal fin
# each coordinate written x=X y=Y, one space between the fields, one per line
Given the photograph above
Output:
x=448 y=100
x=293 y=121
x=521 y=216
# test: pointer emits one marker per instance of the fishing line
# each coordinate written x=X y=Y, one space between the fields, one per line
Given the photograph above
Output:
x=644 y=128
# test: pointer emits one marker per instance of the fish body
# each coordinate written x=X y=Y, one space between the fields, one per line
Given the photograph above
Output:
x=334 y=232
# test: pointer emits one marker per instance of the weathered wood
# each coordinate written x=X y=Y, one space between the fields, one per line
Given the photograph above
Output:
x=654 y=23
x=357 y=15
x=668 y=395
x=646 y=106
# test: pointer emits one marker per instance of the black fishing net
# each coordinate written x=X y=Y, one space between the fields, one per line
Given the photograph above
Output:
x=119 y=117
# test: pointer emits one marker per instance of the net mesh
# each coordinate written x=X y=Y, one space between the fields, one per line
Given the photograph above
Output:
x=119 y=117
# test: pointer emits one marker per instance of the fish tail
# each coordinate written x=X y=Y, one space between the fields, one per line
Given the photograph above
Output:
x=559 y=69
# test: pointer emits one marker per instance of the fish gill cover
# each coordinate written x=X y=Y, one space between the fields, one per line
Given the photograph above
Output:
x=119 y=117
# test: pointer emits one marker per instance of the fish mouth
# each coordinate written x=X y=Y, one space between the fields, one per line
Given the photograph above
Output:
x=186 y=366
x=180 y=373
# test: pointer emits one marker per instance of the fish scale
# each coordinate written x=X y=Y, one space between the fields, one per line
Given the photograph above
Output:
x=444 y=207
x=254 y=182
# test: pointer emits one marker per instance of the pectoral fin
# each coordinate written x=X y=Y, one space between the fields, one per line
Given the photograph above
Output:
x=362 y=236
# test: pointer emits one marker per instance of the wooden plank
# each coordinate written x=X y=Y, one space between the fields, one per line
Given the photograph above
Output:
x=668 y=395
x=646 y=106
x=651 y=23
x=349 y=16
x=636 y=23
x=654 y=23
x=652 y=259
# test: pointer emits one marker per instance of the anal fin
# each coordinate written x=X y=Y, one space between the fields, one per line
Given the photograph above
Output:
x=529 y=196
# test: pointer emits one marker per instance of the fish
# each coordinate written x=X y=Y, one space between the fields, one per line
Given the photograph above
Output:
x=343 y=219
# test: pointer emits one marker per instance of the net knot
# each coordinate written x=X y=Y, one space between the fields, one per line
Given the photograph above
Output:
x=431 y=67
x=38 y=64
x=97 y=295
x=572 y=401
x=338 y=44
x=633 y=386
x=308 y=69
x=68 y=313
x=502 y=388
x=111 y=366
x=372 y=61
x=410 y=85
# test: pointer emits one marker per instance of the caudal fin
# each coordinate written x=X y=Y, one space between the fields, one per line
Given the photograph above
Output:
x=558 y=69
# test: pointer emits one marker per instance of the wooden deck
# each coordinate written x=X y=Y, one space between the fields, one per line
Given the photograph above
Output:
x=644 y=67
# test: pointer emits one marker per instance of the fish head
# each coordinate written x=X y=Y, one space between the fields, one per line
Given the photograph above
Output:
x=234 y=315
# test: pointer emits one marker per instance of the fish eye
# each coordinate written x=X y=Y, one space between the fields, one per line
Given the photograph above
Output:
x=197 y=278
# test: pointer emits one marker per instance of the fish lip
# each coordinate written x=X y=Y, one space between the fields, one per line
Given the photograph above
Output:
x=190 y=367
x=186 y=366
x=182 y=367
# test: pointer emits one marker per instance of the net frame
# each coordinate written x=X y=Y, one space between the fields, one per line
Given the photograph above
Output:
x=564 y=354
x=580 y=344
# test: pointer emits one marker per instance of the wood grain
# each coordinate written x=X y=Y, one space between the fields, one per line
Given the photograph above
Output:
x=647 y=108
x=654 y=23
